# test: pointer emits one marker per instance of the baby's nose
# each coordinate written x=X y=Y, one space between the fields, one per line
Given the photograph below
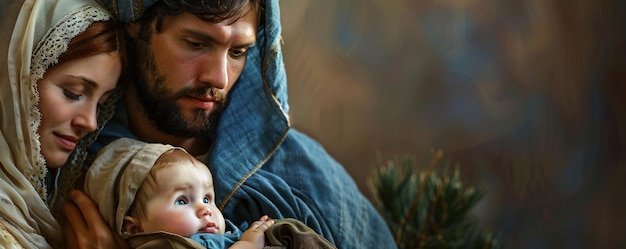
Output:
x=204 y=211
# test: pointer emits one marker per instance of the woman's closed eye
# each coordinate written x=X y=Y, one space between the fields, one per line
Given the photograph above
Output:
x=70 y=95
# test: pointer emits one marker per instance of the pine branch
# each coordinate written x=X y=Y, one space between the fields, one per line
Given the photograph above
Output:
x=427 y=209
x=413 y=208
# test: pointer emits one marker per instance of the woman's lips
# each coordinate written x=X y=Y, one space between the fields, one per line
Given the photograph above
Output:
x=68 y=142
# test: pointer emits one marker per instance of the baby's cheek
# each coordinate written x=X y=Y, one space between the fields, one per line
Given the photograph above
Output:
x=184 y=225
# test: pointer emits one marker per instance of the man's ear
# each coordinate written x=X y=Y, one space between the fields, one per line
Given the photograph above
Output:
x=131 y=225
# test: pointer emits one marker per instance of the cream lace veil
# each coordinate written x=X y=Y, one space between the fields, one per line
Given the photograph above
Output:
x=35 y=33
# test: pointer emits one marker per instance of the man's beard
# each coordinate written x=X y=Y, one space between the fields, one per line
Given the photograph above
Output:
x=159 y=104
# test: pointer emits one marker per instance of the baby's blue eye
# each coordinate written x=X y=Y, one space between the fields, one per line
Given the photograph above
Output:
x=181 y=202
x=206 y=200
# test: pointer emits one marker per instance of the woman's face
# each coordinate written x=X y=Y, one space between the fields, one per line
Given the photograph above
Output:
x=69 y=97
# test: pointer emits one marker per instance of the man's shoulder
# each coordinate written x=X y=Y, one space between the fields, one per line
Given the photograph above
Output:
x=300 y=150
x=297 y=140
x=297 y=143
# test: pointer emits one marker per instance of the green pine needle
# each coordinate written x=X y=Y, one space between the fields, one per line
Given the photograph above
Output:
x=427 y=209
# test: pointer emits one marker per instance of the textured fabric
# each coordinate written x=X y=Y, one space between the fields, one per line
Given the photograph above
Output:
x=264 y=167
x=209 y=240
x=285 y=233
x=128 y=10
x=293 y=234
x=160 y=240
x=35 y=33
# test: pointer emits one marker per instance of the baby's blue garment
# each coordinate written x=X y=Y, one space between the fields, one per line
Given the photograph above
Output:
x=210 y=240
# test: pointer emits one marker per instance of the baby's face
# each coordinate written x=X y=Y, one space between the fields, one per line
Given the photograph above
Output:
x=184 y=203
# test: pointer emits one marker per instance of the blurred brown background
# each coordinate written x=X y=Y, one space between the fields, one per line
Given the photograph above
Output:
x=526 y=95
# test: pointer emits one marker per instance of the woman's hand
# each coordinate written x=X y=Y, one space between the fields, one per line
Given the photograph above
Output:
x=85 y=227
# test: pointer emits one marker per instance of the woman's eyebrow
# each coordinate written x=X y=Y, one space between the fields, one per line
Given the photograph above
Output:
x=89 y=82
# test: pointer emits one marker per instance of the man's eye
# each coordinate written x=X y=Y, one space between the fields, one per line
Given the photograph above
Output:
x=196 y=44
x=71 y=95
x=181 y=202
x=238 y=52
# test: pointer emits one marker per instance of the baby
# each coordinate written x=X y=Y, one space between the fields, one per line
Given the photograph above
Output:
x=155 y=193
x=159 y=196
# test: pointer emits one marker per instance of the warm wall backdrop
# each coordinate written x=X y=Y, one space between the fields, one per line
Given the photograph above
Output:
x=526 y=95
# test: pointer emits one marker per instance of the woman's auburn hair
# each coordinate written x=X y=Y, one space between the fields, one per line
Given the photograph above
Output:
x=99 y=37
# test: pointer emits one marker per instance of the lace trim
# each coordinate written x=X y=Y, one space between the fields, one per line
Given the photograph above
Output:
x=46 y=54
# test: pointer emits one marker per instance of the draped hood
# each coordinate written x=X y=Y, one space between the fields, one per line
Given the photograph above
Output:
x=35 y=33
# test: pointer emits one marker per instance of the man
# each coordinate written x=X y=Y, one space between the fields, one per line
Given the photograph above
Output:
x=187 y=62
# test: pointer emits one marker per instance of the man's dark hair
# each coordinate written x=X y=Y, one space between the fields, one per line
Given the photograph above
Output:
x=209 y=10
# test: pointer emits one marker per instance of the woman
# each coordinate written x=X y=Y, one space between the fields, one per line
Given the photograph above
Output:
x=60 y=63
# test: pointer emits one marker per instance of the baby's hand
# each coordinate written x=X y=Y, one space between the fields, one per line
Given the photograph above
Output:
x=263 y=223
x=254 y=236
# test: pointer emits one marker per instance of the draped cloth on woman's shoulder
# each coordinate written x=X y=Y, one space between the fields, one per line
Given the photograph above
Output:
x=35 y=33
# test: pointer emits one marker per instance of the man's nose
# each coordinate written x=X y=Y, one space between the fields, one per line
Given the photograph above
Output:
x=214 y=71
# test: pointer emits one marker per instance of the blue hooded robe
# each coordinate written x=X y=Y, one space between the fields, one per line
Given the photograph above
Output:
x=261 y=166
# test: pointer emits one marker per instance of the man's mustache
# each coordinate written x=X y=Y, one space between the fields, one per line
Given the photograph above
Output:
x=215 y=93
